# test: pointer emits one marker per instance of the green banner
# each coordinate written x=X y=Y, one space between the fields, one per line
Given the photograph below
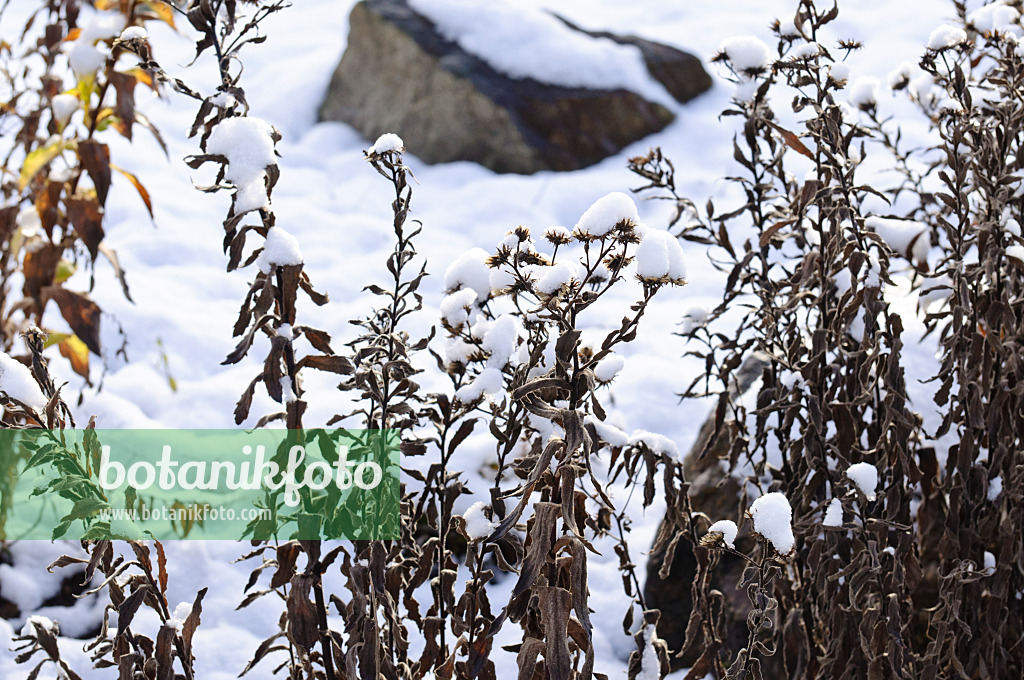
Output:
x=199 y=484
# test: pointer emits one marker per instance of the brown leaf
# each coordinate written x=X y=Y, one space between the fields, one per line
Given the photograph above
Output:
x=86 y=217
x=81 y=313
x=188 y=629
x=95 y=158
x=124 y=85
x=126 y=612
x=165 y=653
x=301 y=613
x=791 y=140
x=39 y=268
x=111 y=256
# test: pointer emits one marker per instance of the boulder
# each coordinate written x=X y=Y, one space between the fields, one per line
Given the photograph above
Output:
x=399 y=74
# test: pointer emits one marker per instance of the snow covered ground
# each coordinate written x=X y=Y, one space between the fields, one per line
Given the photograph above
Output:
x=338 y=208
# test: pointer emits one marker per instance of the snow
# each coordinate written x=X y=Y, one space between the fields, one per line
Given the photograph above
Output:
x=16 y=382
x=248 y=145
x=134 y=33
x=388 y=141
x=607 y=212
x=489 y=382
x=29 y=629
x=470 y=271
x=833 y=514
x=477 y=525
x=946 y=36
x=657 y=443
x=728 y=530
x=339 y=209
x=660 y=258
x=995 y=16
x=558 y=235
x=609 y=367
x=989 y=561
x=500 y=340
x=839 y=72
x=522 y=42
x=907 y=237
x=609 y=433
x=863 y=92
x=693 y=318
x=746 y=53
x=63 y=106
x=84 y=58
x=455 y=308
x=555 y=277
x=1016 y=251
x=180 y=614
x=773 y=519
x=281 y=249
x=995 y=487
x=865 y=476
x=900 y=76
x=650 y=664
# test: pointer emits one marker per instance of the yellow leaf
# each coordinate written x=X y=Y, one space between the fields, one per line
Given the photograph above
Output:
x=143 y=76
x=73 y=349
x=36 y=161
x=74 y=33
x=138 y=187
x=163 y=11
x=104 y=5
x=53 y=338
x=65 y=268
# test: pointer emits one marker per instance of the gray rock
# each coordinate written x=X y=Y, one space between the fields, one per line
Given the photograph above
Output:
x=398 y=74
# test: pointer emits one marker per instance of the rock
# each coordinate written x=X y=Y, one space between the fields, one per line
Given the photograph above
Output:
x=398 y=74
x=681 y=73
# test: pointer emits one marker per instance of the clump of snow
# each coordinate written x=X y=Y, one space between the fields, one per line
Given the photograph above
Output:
x=609 y=433
x=85 y=59
x=553 y=278
x=500 y=340
x=833 y=514
x=907 y=237
x=695 y=317
x=1016 y=251
x=455 y=308
x=16 y=382
x=946 y=36
x=458 y=351
x=900 y=76
x=746 y=53
x=490 y=381
x=990 y=561
x=863 y=92
x=180 y=615
x=248 y=144
x=995 y=17
x=650 y=664
x=607 y=212
x=388 y=141
x=728 y=530
x=608 y=367
x=995 y=487
x=470 y=271
x=558 y=235
x=773 y=519
x=655 y=442
x=134 y=33
x=477 y=524
x=659 y=257
x=281 y=249
x=839 y=73
x=807 y=50
x=29 y=629
x=865 y=476
x=788 y=29
x=523 y=42
x=63 y=106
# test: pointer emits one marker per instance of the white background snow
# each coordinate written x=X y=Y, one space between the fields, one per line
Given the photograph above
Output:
x=338 y=210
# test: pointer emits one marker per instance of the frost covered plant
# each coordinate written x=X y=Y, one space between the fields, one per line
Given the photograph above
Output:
x=66 y=91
